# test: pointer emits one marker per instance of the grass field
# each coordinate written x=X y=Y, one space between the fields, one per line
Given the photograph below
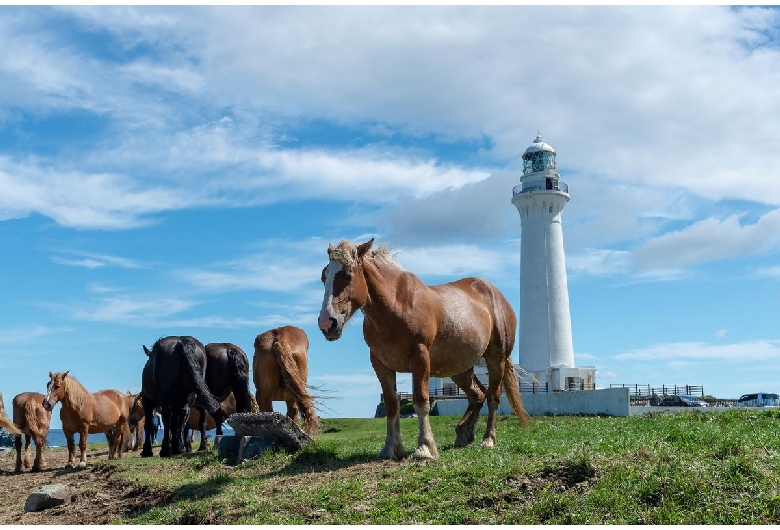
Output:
x=670 y=468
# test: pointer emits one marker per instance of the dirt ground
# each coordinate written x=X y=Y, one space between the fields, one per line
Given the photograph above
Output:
x=96 y=498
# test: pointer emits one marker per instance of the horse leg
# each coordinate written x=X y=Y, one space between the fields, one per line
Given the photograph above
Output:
x=148 y=428
x=202 y=427
x=421 y=369
x=264 y=401
x=495 y=366
x=71 y=449
x=40 y=461
x=83 y=433
x=165 y=447
x=292 y=409
x=27 y=460
x=394 y=448
x=18 y=445
x=475 y=392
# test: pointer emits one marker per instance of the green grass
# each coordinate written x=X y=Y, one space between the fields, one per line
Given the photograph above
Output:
x=672 y=468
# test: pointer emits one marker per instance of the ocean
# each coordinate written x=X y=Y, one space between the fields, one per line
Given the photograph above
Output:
x=56 y=437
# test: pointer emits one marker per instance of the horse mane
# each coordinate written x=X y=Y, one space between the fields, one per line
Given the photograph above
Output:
x=346 y=254
x=75 y=391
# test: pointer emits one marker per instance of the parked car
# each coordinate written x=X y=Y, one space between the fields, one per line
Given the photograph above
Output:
x=682 y=401
x=759 y=399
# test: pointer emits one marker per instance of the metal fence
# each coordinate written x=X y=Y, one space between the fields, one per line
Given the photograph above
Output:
x=457 y=393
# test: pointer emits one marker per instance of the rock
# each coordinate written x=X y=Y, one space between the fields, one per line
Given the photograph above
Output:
x=47 y=497
x=258 y=432
x=274 y=424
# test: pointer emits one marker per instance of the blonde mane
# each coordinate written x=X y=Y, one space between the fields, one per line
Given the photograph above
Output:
x=74 y=391
x=346 y=254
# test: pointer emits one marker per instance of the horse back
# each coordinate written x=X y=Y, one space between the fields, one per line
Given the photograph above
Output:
x=28 y=406
x=266 y=371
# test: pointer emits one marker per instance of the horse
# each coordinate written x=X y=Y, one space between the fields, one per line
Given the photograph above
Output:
x=5 y=421
x=438 y=330
x=172 y=378
x=227 y=372
x=86 y=413
x=133 y=436
x=228 y=405
x=280 y=370
x=33 y=421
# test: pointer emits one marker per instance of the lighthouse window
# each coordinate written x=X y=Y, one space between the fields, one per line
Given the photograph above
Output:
x=549 y=185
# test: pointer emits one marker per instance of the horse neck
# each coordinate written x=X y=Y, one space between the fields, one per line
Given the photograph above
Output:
x=381 y=283
x=75 y=394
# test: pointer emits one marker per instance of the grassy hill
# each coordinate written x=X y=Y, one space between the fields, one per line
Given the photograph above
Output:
x=659 y=468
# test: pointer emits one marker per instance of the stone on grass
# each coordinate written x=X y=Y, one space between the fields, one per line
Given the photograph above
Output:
x=47 y=497
x=256 y=432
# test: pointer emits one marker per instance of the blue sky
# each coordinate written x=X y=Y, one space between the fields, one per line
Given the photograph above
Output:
x=172 y=170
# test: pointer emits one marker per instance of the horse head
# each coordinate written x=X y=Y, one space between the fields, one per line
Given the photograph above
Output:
x=136 y=410
x=55 y=389
x=345 y=286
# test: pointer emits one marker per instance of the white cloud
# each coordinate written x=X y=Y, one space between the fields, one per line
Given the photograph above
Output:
x=710 y=239
x=721 y=334
x=757 y=350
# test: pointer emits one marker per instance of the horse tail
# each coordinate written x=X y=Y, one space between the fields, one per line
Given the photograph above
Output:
x=34 y=423
x=512 y=389
x=187 y=351
x=253 y=406
x=5 y=421
x=296 y=385
x=238 y=365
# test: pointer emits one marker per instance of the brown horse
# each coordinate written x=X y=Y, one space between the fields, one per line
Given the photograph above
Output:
x=439 y=330
x=133 y=437
x=228 y=405
x=280 y=370
x=33 y=421
x=86 y=413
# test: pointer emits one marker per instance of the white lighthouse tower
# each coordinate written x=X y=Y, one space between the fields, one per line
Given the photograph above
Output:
x=545 y=342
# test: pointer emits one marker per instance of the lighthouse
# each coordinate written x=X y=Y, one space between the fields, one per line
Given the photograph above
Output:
x=546 y=351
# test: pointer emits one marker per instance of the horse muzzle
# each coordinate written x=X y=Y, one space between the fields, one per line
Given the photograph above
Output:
x=329 y=326
x=47 y=405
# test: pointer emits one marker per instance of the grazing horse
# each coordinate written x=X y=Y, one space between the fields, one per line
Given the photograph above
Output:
x=5 y=421
x=228 y=405
x=280 y=370
x=134 y=434
x=86 y=413
x=227 y=372
x=439 y=330
x=172 y=378
x=33 y=421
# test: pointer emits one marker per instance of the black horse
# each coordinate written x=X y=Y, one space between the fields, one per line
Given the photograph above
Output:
x=227 y=370
x=172 y=378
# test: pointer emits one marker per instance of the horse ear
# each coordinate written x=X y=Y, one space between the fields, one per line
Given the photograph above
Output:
x=146 y=350
x=51 y=375
x=65 y=374
x=365 y=247
x=330 y=248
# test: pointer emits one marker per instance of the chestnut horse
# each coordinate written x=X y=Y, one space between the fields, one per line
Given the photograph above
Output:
x=228 y=406
x=439 y=330
x=86 y=413
x=133 y=437
x=227 y=372
x=280 y=370
x=33 y=421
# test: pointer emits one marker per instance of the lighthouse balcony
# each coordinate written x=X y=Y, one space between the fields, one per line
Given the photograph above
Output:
x=549 y=185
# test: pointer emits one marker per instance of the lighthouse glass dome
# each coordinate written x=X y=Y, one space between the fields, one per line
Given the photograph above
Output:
x=540 y=156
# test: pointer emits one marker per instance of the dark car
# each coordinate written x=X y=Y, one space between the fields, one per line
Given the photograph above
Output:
x=682 y=401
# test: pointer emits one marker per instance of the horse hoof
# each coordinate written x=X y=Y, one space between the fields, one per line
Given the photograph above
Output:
x=82 y=465
x=487 y=442
x=69 y=465
x=145 y=454
x=424 y=453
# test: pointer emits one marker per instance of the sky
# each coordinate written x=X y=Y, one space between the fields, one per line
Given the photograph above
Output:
x=182 y=170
